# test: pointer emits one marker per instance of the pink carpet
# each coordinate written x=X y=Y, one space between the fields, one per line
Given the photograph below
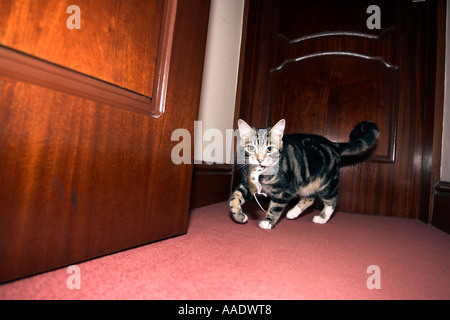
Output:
x=218 y=259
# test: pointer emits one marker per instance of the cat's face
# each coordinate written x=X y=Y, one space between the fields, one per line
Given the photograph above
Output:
x=262 y=147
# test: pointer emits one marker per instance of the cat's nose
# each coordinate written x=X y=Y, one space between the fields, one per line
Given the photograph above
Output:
x=260 y=158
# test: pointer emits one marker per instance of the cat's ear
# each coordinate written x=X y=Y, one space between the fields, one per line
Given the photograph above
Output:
x=244 y=129
x=278 y=129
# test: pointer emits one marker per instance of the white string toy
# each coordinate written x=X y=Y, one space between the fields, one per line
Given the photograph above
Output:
x=257 y=187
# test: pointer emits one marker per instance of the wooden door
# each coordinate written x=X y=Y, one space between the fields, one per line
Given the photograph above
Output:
x=326 y=65
x=86 y=117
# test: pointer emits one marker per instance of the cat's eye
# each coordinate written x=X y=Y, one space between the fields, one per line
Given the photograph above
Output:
x=250 y=148
x=269 y=149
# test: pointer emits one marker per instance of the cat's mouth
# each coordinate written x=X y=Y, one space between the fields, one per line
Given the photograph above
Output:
x=263 y=169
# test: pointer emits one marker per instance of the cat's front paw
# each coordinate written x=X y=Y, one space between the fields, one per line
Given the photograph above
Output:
x=266 y=224
x=239 y=217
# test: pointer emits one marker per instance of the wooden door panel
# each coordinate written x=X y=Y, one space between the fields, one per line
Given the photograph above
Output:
x=113 y=33
x=321 y=94
x=75 y=181
x=298 y=20
x=80 y=178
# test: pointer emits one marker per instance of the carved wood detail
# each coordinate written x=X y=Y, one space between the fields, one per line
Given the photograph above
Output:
x=333 y=81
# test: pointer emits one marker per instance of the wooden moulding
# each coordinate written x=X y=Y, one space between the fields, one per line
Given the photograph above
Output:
x=31 y=69
x=391 y=76
x=211 y=184
x=441 y=208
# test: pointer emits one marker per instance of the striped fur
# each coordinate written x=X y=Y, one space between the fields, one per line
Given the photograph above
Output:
x=295 y=166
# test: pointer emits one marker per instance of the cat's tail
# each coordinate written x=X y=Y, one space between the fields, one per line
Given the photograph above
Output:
x=362 y=139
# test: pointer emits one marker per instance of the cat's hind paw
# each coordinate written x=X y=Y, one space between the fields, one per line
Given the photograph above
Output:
x=266 y=224
x=293 y=213
x=318 y=219
x=324 y=216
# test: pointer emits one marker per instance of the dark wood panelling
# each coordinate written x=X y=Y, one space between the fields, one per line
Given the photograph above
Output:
x=113 y=32
x=80 y=179
x=295 y=26
x=439 y=98
x=434 y=104
x=332 y=82
x=210 y=184
x=441 y=211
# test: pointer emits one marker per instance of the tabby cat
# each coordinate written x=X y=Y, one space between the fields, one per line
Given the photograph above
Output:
x=294 y=165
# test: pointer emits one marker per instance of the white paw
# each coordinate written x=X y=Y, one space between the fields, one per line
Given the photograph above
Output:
x=319 y=219
x=239 y=217
x=264 y=224
x=293 y=213
x=324 y=215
